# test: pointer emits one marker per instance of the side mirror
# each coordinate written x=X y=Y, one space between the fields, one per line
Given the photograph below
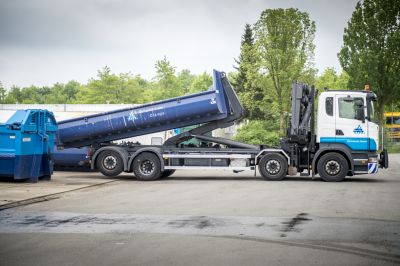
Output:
x=359 y=103
x=360 y=114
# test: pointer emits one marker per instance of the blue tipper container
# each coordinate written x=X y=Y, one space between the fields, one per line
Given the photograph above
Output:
x=154 y=117
x=27 y=141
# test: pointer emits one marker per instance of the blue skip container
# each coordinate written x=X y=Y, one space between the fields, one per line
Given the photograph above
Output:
x=27 y=141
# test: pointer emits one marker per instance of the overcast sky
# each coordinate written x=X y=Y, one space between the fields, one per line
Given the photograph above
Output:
x=48 y=41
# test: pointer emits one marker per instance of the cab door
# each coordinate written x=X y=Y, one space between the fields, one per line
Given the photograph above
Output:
x=349 y=130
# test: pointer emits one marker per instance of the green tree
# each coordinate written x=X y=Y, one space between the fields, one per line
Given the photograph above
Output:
x=245 y=60
x=29 y=95
x=371 y=49
x=248 y=81
x=135 y=87
x=200 y=83
x=70 y=90
x=62 y=93
x=111 y=88
x=255 y=97
x=14 y=95
x=185 y=79
x=332 y=80
x=3 y=93
x=284 y=42
x=258 y=132
x=167 y=85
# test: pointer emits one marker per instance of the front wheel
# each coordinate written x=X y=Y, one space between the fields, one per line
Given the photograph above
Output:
x=147 y=166
x=332 y=167
x=273 y=167
x=110 y=163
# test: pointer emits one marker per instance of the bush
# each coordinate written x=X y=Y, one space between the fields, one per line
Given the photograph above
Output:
x=258 y=132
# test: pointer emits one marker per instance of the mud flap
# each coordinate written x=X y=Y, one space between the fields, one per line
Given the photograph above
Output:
x=384 y=159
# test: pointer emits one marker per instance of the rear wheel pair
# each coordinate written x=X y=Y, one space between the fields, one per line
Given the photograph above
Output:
x=146 y=166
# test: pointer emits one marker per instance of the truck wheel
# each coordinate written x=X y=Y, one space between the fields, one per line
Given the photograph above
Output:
x=110 y=163
x=147 y=167
x=332 y=167
x=167 y=173
x=273 y=167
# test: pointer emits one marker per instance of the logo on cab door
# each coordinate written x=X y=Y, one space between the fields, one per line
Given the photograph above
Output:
x=358 y=130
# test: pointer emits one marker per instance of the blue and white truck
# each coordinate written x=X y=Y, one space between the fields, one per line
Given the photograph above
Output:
x=342 y=141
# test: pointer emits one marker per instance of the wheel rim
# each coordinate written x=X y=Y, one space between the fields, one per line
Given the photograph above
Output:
x=273 y=167
x=332 y=167
x=110 y=162
x=147 y=167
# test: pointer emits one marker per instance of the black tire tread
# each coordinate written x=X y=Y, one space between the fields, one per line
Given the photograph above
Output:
x=281 y=174
x=110 y=173
x=149 y=156
x=341 y=160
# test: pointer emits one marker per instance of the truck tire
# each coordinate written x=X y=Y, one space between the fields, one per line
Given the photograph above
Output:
x=110 y=163
x=167 y=173
x=273 y=167
x=147 y=167
x=332 y=167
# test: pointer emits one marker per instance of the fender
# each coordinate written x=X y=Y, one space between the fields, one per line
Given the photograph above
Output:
x=157 y=151
x=332 y=147
x=122 y=152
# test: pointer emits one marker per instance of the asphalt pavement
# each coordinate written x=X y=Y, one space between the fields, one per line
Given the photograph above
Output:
x=202 y=218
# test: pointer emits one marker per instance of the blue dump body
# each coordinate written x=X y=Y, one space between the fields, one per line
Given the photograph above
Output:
x=27 y=140
x=177 y=112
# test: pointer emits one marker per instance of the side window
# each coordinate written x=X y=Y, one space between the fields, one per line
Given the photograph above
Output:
x=329 y=106
x=347 y=109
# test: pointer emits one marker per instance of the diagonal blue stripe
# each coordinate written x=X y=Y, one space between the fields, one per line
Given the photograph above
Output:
x=373 y=169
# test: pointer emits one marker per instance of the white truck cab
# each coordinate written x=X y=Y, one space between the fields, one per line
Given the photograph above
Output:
x=345 y=122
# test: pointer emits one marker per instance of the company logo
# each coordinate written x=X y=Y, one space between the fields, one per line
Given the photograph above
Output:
x=358 y=130
x=132 y=116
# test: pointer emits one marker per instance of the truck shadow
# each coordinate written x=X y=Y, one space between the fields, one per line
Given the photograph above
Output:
x=260 y=179
x=130 y=177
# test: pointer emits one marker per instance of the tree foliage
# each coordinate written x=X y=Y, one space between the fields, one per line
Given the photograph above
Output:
x=246 y=59
x=258 y=132
x=371 y=49
x=248 y=82
x=112 y=88
x=200 y=83
x=332 y=80
x=108 y=87
x=3 y=93
x=284 y=42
